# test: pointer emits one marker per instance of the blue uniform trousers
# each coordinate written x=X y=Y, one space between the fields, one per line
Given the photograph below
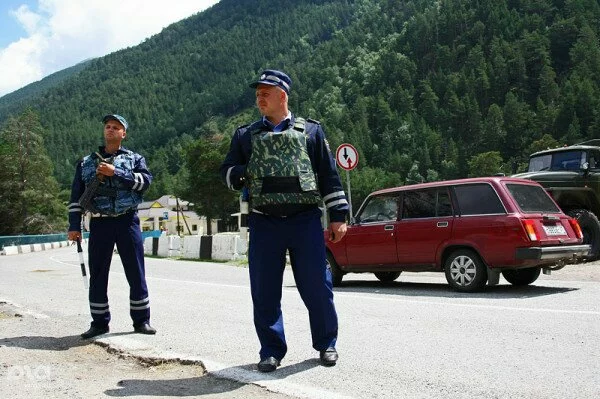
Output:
x=302 y=235
x=124 y=231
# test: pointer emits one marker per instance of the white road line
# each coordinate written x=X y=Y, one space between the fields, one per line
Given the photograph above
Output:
x=472 y=305
x=24 y=310
x=387 y=298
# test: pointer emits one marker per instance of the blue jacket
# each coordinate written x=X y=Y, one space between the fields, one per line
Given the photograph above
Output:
x=233 y=168
x=130 y=180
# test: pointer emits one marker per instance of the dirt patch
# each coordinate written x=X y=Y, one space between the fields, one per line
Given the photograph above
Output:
x=36 y=362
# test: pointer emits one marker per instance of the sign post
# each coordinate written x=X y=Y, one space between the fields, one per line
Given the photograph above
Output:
x=347 y=159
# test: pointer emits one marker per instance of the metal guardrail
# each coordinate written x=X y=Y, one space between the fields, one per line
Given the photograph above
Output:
x=6 y=241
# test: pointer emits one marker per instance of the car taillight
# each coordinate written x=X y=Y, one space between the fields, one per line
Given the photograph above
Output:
x=529 y=229
x=576 y=228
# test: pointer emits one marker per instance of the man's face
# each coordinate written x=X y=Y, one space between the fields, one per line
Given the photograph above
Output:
x=113 y=131
x=269 y=99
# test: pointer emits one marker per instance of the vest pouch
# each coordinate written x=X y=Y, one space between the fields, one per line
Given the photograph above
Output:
x=307 y=181
x=280 y=184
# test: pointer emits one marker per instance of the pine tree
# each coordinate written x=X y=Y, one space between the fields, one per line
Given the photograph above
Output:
x=28 y=191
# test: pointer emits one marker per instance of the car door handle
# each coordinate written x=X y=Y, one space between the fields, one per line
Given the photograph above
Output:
x=389 y=227
x=442 y=224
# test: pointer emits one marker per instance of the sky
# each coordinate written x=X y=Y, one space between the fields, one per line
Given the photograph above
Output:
x=40 y=37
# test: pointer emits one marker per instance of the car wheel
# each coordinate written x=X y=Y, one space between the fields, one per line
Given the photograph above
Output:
x=387 y=276
x=465 y=271
x=590 y=227
x=522 y=276
x=336 y=272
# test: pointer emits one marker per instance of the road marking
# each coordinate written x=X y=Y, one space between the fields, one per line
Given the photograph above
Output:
x=24 y=310
x=473 y=305
x=385 y=298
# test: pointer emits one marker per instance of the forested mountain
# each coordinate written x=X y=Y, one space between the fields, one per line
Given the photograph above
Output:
x=425 y=90
x=12 y=102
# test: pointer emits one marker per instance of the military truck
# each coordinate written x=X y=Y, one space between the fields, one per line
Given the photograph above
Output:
x=571 y=175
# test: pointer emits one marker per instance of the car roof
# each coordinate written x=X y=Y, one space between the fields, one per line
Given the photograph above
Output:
x=444 y=183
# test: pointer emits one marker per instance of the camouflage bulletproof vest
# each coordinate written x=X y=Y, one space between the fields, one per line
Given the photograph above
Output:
x=279 y=171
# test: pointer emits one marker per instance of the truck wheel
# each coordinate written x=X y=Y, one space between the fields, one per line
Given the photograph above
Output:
x=590 y=226
x=336 y=272
x=522 y=276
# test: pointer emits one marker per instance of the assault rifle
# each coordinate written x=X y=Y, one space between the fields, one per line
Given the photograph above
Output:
x=86 y=199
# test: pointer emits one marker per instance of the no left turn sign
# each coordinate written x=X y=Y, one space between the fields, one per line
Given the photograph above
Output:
x=346 y=156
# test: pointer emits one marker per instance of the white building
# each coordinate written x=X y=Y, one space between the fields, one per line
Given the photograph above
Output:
x=172 y=214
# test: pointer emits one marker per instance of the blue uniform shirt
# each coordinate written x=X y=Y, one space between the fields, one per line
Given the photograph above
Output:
x=233 y=167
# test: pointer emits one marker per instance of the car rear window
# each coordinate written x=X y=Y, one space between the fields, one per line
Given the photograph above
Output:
x=478 y=199
x=532 y=199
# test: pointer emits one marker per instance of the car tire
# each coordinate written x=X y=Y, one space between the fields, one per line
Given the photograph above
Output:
x=387 y=277
x=336 y=272
x=465 y=271
x=590 y=226
x=522 y=276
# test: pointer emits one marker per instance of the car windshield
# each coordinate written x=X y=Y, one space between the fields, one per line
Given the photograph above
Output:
x=379 y=208
x=532 y=199
x=563 y=160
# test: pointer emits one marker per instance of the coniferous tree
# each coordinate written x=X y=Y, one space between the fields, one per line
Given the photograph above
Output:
x=28 y=191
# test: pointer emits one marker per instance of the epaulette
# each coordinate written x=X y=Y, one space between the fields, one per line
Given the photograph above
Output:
x=313 y=121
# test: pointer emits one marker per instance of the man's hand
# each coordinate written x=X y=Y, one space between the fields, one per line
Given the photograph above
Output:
x=74 y=235
x=106 y=169
x=337 y=231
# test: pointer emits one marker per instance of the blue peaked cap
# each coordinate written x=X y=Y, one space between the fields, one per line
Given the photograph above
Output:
x=117 y=118
x=273 y=77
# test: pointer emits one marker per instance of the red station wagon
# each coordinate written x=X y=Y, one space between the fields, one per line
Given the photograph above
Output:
x=471 y=229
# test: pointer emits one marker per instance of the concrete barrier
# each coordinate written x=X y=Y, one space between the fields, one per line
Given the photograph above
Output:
x=169 y=246
x=190 y=247
x=148 y=246
x=10 y=250
x=228 y=246
x=24 y=249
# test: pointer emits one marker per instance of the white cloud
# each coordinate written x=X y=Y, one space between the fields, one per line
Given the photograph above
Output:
x=62 y=33
x=27 y=18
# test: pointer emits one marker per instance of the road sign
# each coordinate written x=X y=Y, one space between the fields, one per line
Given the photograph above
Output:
x=346 y=156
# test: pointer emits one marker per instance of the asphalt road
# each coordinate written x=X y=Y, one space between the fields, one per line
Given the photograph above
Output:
x=414 y=338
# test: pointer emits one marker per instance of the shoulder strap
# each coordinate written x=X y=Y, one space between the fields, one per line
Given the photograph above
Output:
x=300 y=124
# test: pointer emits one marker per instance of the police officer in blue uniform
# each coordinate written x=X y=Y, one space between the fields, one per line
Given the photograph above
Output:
x=286 y=165
x=124 y=177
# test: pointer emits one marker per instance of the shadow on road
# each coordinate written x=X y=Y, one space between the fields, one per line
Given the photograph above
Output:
x=44 y=343
x=411 y=289
x=220 y=382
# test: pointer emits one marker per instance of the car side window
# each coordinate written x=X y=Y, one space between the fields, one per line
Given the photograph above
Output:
x=380 y=208
x=426 y=204
x=444 y=205
x=478 y=199
x=418 y=204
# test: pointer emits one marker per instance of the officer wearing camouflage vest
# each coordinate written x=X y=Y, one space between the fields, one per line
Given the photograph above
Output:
x=285 y=163
x=123 y=177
